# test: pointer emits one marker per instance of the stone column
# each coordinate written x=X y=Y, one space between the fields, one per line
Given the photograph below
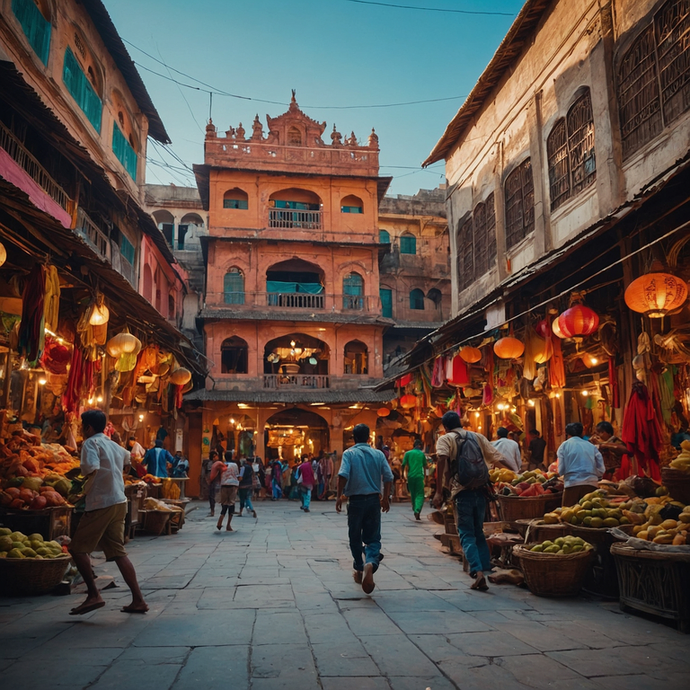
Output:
x=542 y=221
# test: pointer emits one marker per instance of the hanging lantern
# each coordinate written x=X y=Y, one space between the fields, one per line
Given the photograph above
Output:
x=408 y=401
x=656 y=294
x=99 y=312
x=589 y=360
x=556 y=329
x=3 y=254
x=383 y=412
x=578 y=321
x=509 y=348
x=470 y=354
x=543 y=328
x=180 y=377
x=123 y=344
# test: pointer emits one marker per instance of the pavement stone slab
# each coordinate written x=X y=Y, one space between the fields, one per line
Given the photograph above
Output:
x=215 y=668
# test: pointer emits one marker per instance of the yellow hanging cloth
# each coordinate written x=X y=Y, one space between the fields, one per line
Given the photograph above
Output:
x=51 y=300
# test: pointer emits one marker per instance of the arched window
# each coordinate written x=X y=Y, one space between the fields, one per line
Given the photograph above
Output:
x=148 y=283
x=234 y=356
x=570 y=151
x=353 y=291
x=171 y=306
x=35 y=25
x=356 y=358
x=408 y=244
x=236 y=198
x=484 y=221
x=416 y=299
x=384 y=237
x=519 y=194
x=351 y=204
x=465 y=254
x=233 y=286
x=294 y=208
x=386 y=295
x=81 y=89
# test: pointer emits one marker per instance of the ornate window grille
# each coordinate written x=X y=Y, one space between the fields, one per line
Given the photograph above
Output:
x=654 y=77
x=484 y=236
x=465 y=254
x=519 y=193
x=559 y=165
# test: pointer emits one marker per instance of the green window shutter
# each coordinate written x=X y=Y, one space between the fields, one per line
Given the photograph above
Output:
x=408 y=244
x=386 y=295
x=384 y=237
x=126 y=249
x=35 y=26
x=124 y=152
x=416 y=299
x=351 y=209
x=241 y=204
x=233 y=287
x=81 y=90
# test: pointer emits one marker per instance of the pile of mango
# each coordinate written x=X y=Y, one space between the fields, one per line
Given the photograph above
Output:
x=501 y=474
x=668 y=531
x=18 y=545
x=682 y=461
x=528 y=484
x=597 y=511
x=562 y=546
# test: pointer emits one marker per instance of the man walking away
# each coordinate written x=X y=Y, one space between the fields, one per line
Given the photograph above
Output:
x=306 y=483
x=464 y=456
x=216 y=467
x=362 y=471
x=229 y=483
x=537 y=448
x=103 y=522
x=156 y=460
x=509 y=449
x=277 y=480
x=579 y=463
x=415 y=462
x=246 y=486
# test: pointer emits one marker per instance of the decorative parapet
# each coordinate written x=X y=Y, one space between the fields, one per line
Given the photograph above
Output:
x=294 y=143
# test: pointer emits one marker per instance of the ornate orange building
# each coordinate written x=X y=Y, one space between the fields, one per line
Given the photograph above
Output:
x=292 y=318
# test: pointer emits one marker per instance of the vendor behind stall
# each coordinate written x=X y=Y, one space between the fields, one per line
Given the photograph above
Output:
x=156 y=460
x=580 y=464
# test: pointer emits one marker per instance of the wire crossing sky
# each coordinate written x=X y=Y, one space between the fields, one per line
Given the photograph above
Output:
x=403 y=68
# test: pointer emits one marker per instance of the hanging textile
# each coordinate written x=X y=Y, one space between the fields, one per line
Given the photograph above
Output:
x=534 y=345
x=613 y=383
x=438 y=374
x=31 y=338
x=642 y=435
x=556 y=364
x=426 y=384
x=72 y=396
x=460 y=376
x=51 y=300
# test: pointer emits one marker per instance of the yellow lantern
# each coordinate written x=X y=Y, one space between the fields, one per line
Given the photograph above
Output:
x=3 y=254
x=470 y=354
x=180 y=377
x=656 y=294
x=99 y=312
x=509 y=348
x=123 y=344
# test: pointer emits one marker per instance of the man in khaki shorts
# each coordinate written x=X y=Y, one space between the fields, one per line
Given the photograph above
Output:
x=103 y=522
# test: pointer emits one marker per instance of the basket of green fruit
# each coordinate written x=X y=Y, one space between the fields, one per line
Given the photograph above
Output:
x=29 y=565
x=555 y=568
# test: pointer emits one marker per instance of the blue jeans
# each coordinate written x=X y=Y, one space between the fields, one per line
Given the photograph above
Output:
x=277 y=491
x=246 y=499
x=305 y=496
x=470 y=507
x=364 y=529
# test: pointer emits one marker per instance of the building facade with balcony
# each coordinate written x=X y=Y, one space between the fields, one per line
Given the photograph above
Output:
x=291 y=317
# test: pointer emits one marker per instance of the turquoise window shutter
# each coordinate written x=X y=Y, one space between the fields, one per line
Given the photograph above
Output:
x=408 y=244
x=233 y=286
x=124 y=152
x=35 y=26
x=126 y=249
x=386 y=295
x=80 y=89
x=384 y=237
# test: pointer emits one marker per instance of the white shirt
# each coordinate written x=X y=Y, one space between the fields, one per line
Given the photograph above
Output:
x=580 y=462
x=102 y=463
x=230 y=475
x=510 y=451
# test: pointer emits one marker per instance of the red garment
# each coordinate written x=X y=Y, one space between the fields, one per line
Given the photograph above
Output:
x=460 y=375
x=642 y=434
x=31 y=338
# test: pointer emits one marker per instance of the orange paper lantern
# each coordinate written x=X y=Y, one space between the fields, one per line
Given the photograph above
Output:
x=470 y=354
x=509 y=348
x=656 y=294
x=578 y=321
x=383 y=412
x=408 y=401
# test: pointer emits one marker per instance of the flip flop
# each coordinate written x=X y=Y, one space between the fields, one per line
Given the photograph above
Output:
x=133 y=609
x=81 y=610
x=480 y=585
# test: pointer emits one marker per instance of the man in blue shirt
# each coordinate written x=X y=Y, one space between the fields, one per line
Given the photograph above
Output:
x=156 y=460
x=580 y=463
x=363 y=471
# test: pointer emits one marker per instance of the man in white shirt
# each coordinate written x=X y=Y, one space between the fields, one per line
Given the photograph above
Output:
x=103 y=522
x=509 y=449
x=580 y=463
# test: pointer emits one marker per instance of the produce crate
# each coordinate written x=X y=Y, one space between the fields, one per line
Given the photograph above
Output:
x=654 y=582
x=513 y=508
x=30 y=576
x=677 y=483
x=550 y=575
x=49 y=522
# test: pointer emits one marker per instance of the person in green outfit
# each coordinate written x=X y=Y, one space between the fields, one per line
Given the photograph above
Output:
x=415 y=462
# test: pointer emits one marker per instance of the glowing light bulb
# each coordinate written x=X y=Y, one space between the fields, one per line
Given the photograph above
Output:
x=90 y=401
x=141 y=417
x=594 y=360
x=476 y=414
x=585 y=393
x=232 y=421
x=99 y=399
x=42 y=381
x=530 y=402
x=558 y=395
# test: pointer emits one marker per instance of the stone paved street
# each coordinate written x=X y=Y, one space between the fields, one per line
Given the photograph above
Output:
x=273 y=605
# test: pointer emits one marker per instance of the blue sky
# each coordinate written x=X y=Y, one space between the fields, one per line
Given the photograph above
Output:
x=333 y=52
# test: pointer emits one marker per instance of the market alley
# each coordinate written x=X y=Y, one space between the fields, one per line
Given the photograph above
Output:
x=273 y=605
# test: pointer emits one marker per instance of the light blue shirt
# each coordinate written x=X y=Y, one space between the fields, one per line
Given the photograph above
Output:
x=580 y=462
x=365 y=469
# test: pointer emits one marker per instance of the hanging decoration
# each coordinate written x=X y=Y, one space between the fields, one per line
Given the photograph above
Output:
x=556 y=329
x=180 y=377
x=51 y=298
x=471 y=355
x=578 y=321
x=123 y=344
x=408 y=401
x=383 y=412
x=656 y=294
x=509 y=348
x=99 y=314
x=31 y=336
x=543 y=328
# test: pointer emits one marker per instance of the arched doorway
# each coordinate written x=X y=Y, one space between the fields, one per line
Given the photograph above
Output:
x=290 y=433
x=234 y=432
x=295 y=283
x=296 y=360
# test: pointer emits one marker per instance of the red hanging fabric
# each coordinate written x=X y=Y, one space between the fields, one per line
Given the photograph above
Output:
x=460 y=375
x=556 y=364
x=613 y=384
x=642 y=434
x=31 y=331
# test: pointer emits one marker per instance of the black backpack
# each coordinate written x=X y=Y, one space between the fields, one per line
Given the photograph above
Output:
x=468 y=466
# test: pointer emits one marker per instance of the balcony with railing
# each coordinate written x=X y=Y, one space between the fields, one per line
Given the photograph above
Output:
x=291 y=218
x=303 y=381
x=92 y=234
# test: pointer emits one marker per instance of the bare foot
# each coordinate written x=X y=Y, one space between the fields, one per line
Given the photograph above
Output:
x=87 y=606
x=357 y=576
x=368 y=583
x=229 y=529
x=139 y=607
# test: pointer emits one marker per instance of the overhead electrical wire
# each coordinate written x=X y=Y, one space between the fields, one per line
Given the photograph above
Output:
x=432 y=9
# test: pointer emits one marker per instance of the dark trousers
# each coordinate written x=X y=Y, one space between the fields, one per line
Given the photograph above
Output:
x=470 y=508
x=364 y=529
x=212 y=495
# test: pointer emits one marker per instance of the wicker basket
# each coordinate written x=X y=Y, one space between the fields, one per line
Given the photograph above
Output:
x=512 y=508
x=596 y=536
x=155 y=521
x=677 y=483
x=537 y=531
x=30 y=576
x=550 y=575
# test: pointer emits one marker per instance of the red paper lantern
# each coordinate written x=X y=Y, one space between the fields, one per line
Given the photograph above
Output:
x=470 y=354
x=509 y=348
x=383 y=412
x=556 y=329
x=578 y=321
x=408 y=401
x=543 y=328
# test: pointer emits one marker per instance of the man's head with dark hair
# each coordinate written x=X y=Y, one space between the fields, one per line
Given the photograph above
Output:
x=418 y=443
x=574 y=429
x=502 y=432
x=361 y=433
x=213 y=454
x=229 y=455
x=132 y=438
x=534 y=432
x=605 y=427
x=159 y=443
x=93 y=422
x=451 y=420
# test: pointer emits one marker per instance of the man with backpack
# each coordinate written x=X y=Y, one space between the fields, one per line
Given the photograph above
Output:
x=463 y=467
